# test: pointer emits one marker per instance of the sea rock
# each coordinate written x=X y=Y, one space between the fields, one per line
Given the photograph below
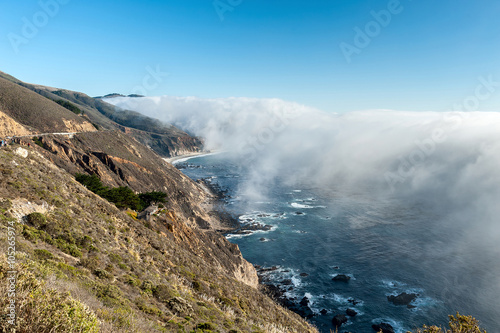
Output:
x=384 y=327
x=353 y=301
x=304 y=301
x=402 y=299
x=323 y=311
x=338 y=320
x=286 y=282
x=267 y=269
x=304 y=274
x=341 y=278
x=351 y=312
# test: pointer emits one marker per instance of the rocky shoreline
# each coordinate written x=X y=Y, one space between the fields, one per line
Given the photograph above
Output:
x=278 y=290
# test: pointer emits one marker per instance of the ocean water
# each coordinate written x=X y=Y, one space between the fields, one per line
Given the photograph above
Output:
x=386 y=247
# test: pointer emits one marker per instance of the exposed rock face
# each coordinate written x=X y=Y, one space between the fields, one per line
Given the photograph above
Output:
x=35 y=107
x=128 y=163
x=73 y=126
x=166 y=145
x=119 y=259
x=10 y=127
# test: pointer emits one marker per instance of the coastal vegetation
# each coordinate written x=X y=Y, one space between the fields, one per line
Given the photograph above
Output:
x=457 y=324
x=69 y=106
x=122 y=197
x=84 y=263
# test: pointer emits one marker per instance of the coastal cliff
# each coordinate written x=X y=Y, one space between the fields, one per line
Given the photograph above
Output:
x=84 y=265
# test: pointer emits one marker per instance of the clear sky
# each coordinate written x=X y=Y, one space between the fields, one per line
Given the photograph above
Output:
x=427 y=55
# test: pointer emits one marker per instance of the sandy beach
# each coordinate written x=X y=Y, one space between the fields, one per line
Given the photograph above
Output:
x=185 y=157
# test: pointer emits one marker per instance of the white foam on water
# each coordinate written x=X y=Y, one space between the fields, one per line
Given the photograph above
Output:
x=297 y=205
x=347 y=274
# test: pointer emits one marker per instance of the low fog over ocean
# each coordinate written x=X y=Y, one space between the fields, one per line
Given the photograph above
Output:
x=443 y=164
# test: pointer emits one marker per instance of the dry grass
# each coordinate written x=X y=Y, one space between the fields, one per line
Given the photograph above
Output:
x=164 y=277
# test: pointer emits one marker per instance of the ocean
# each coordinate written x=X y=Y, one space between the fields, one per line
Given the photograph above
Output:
x=384 y=246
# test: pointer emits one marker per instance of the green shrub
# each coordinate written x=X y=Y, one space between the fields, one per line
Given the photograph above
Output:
x=103 y=274
x=197 y=285
x=73 y=108
x=147 y=308
x=43 y=254
x=37 y=220
x=146 y=199
x=110 y=294
x=206 y=326
x=68 y=248
x=122 y=197
x=38 y=141
x=45 y=310
x=164 y=293
x=34 y=235
x=91 y=262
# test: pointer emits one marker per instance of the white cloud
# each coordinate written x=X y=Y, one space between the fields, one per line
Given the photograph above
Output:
x=447 y=159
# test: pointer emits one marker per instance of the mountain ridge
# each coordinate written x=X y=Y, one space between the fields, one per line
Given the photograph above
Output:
x=165 y=139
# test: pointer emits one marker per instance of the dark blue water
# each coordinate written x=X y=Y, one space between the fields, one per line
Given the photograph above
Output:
x=386 y=247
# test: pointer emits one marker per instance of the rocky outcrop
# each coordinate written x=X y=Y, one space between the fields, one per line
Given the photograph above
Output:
x=341 y=278
x=339 y=320
x=351 y=312
x=161 y=269
x=128 y=163
x=403 y=299
x=10 y=127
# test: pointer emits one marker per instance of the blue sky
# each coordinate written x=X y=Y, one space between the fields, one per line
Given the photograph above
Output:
x=428 y=57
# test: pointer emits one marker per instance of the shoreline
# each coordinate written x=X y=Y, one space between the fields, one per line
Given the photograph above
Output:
x=182 y=158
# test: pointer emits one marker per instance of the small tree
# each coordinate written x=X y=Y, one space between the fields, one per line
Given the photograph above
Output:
x=151 y=197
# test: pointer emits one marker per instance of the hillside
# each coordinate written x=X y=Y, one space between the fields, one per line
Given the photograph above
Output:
x=37 y=113
x=164 y=139
x=123 y=274
x=83 y=265
x=119 y=160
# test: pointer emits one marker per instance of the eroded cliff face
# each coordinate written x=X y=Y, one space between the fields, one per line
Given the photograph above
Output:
x=133 y=275
x=77 y=126
x=216 y=250
x=127 y=163
x=9 y=127
x=166 y=145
